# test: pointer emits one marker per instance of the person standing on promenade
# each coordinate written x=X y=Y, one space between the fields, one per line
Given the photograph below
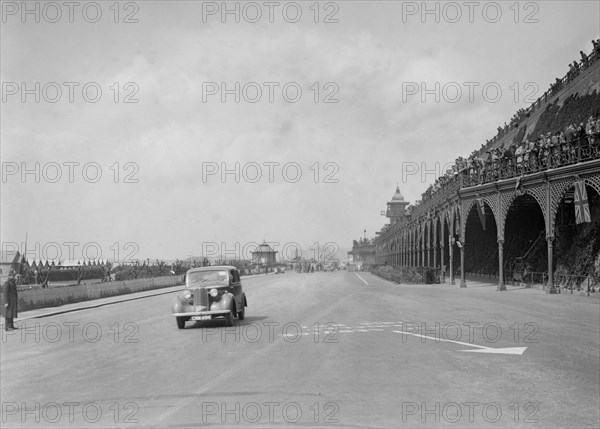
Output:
x=10 y=301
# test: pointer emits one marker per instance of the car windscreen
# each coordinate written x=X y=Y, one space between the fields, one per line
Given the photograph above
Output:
x=201 y=277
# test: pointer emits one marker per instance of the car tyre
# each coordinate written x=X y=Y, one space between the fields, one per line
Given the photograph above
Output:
x=180 y=322
x=242 y=314
x=229 y=318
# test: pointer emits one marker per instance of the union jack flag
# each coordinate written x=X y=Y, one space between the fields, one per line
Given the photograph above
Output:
x=456 y=222
x=481 y=212
x=582 y=207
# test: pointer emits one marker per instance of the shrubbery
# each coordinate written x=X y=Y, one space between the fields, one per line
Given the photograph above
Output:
x=405 y=275
x=142 y=271
x=62 y=275
x=583 y=255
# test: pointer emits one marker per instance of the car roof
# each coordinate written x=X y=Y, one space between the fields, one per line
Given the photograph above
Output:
x=212 y=268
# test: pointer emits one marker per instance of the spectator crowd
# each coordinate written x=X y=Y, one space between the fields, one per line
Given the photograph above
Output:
x=577 y=141
x=575 y=69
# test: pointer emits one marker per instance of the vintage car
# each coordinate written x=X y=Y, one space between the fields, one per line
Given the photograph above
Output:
x=211 y=292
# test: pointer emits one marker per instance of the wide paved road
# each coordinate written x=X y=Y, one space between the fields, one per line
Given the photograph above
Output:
x=316 y=350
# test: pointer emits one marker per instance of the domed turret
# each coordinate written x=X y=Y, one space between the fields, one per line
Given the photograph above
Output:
x=397 y=196
x=396 y=208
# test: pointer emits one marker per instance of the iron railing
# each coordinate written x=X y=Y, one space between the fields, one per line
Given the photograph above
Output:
x=533 y=161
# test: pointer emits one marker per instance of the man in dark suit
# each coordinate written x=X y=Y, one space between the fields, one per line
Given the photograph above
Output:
x=10 y=301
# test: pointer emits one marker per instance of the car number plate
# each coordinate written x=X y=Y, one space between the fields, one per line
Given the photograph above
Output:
x=200 y=317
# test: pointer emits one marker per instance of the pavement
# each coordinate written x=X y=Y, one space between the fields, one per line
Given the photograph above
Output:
x=320 y=350
x=95 y=303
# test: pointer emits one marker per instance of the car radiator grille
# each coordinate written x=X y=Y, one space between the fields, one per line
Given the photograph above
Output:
x=201 y=297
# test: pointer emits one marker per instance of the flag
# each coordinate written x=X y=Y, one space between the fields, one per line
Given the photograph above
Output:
x=481 y=212
x=456 y=222
x=582 y=207
x=17 y=263
x=519 y=186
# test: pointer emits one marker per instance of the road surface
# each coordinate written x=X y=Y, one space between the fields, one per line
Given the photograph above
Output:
x=335 y=349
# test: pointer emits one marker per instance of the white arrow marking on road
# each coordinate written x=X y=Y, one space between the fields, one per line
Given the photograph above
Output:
x=362 y=279
x=506 y=350
x=482 y=349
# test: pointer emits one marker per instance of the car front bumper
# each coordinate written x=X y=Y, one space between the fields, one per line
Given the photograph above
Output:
x=201 y=313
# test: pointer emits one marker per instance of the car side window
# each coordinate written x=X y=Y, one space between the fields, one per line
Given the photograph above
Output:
x=235 y=276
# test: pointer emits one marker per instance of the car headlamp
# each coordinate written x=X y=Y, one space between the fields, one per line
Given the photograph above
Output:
x=213 y=292
x=187 y=294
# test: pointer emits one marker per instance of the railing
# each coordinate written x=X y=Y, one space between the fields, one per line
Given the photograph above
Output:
x=566 y=282
x=446 y=190
x=539 y=159
x=574 y=282
x=528 y=278
x=504 y=169
x=536 y=160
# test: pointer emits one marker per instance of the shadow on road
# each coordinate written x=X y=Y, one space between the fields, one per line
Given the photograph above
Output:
x=220 y=322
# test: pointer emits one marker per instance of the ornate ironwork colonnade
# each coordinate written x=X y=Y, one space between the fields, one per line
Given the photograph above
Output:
x=419 y=239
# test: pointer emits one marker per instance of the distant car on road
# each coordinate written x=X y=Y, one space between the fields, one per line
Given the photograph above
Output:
x=211 y=292
x=279 y=270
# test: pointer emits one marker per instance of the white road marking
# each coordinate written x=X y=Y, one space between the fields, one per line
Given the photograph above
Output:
x=483 y=349
x=381 y=326
x=505 y=350
x=362 y=279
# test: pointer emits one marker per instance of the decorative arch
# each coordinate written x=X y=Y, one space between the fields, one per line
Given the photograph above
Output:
x=593 y=181
x=507 y=199
x=467 y=206
x=559 y=188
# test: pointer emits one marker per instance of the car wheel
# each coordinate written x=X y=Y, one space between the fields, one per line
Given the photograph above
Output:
x=180 y=322
x=242 y=314
x=229 y=318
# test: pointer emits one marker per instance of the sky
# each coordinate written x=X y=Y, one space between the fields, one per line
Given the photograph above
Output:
x=163 y=129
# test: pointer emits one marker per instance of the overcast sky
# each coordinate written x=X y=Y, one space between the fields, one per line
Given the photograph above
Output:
x=174 y=142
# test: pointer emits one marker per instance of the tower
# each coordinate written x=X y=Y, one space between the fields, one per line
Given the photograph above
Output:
x=396 y=208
